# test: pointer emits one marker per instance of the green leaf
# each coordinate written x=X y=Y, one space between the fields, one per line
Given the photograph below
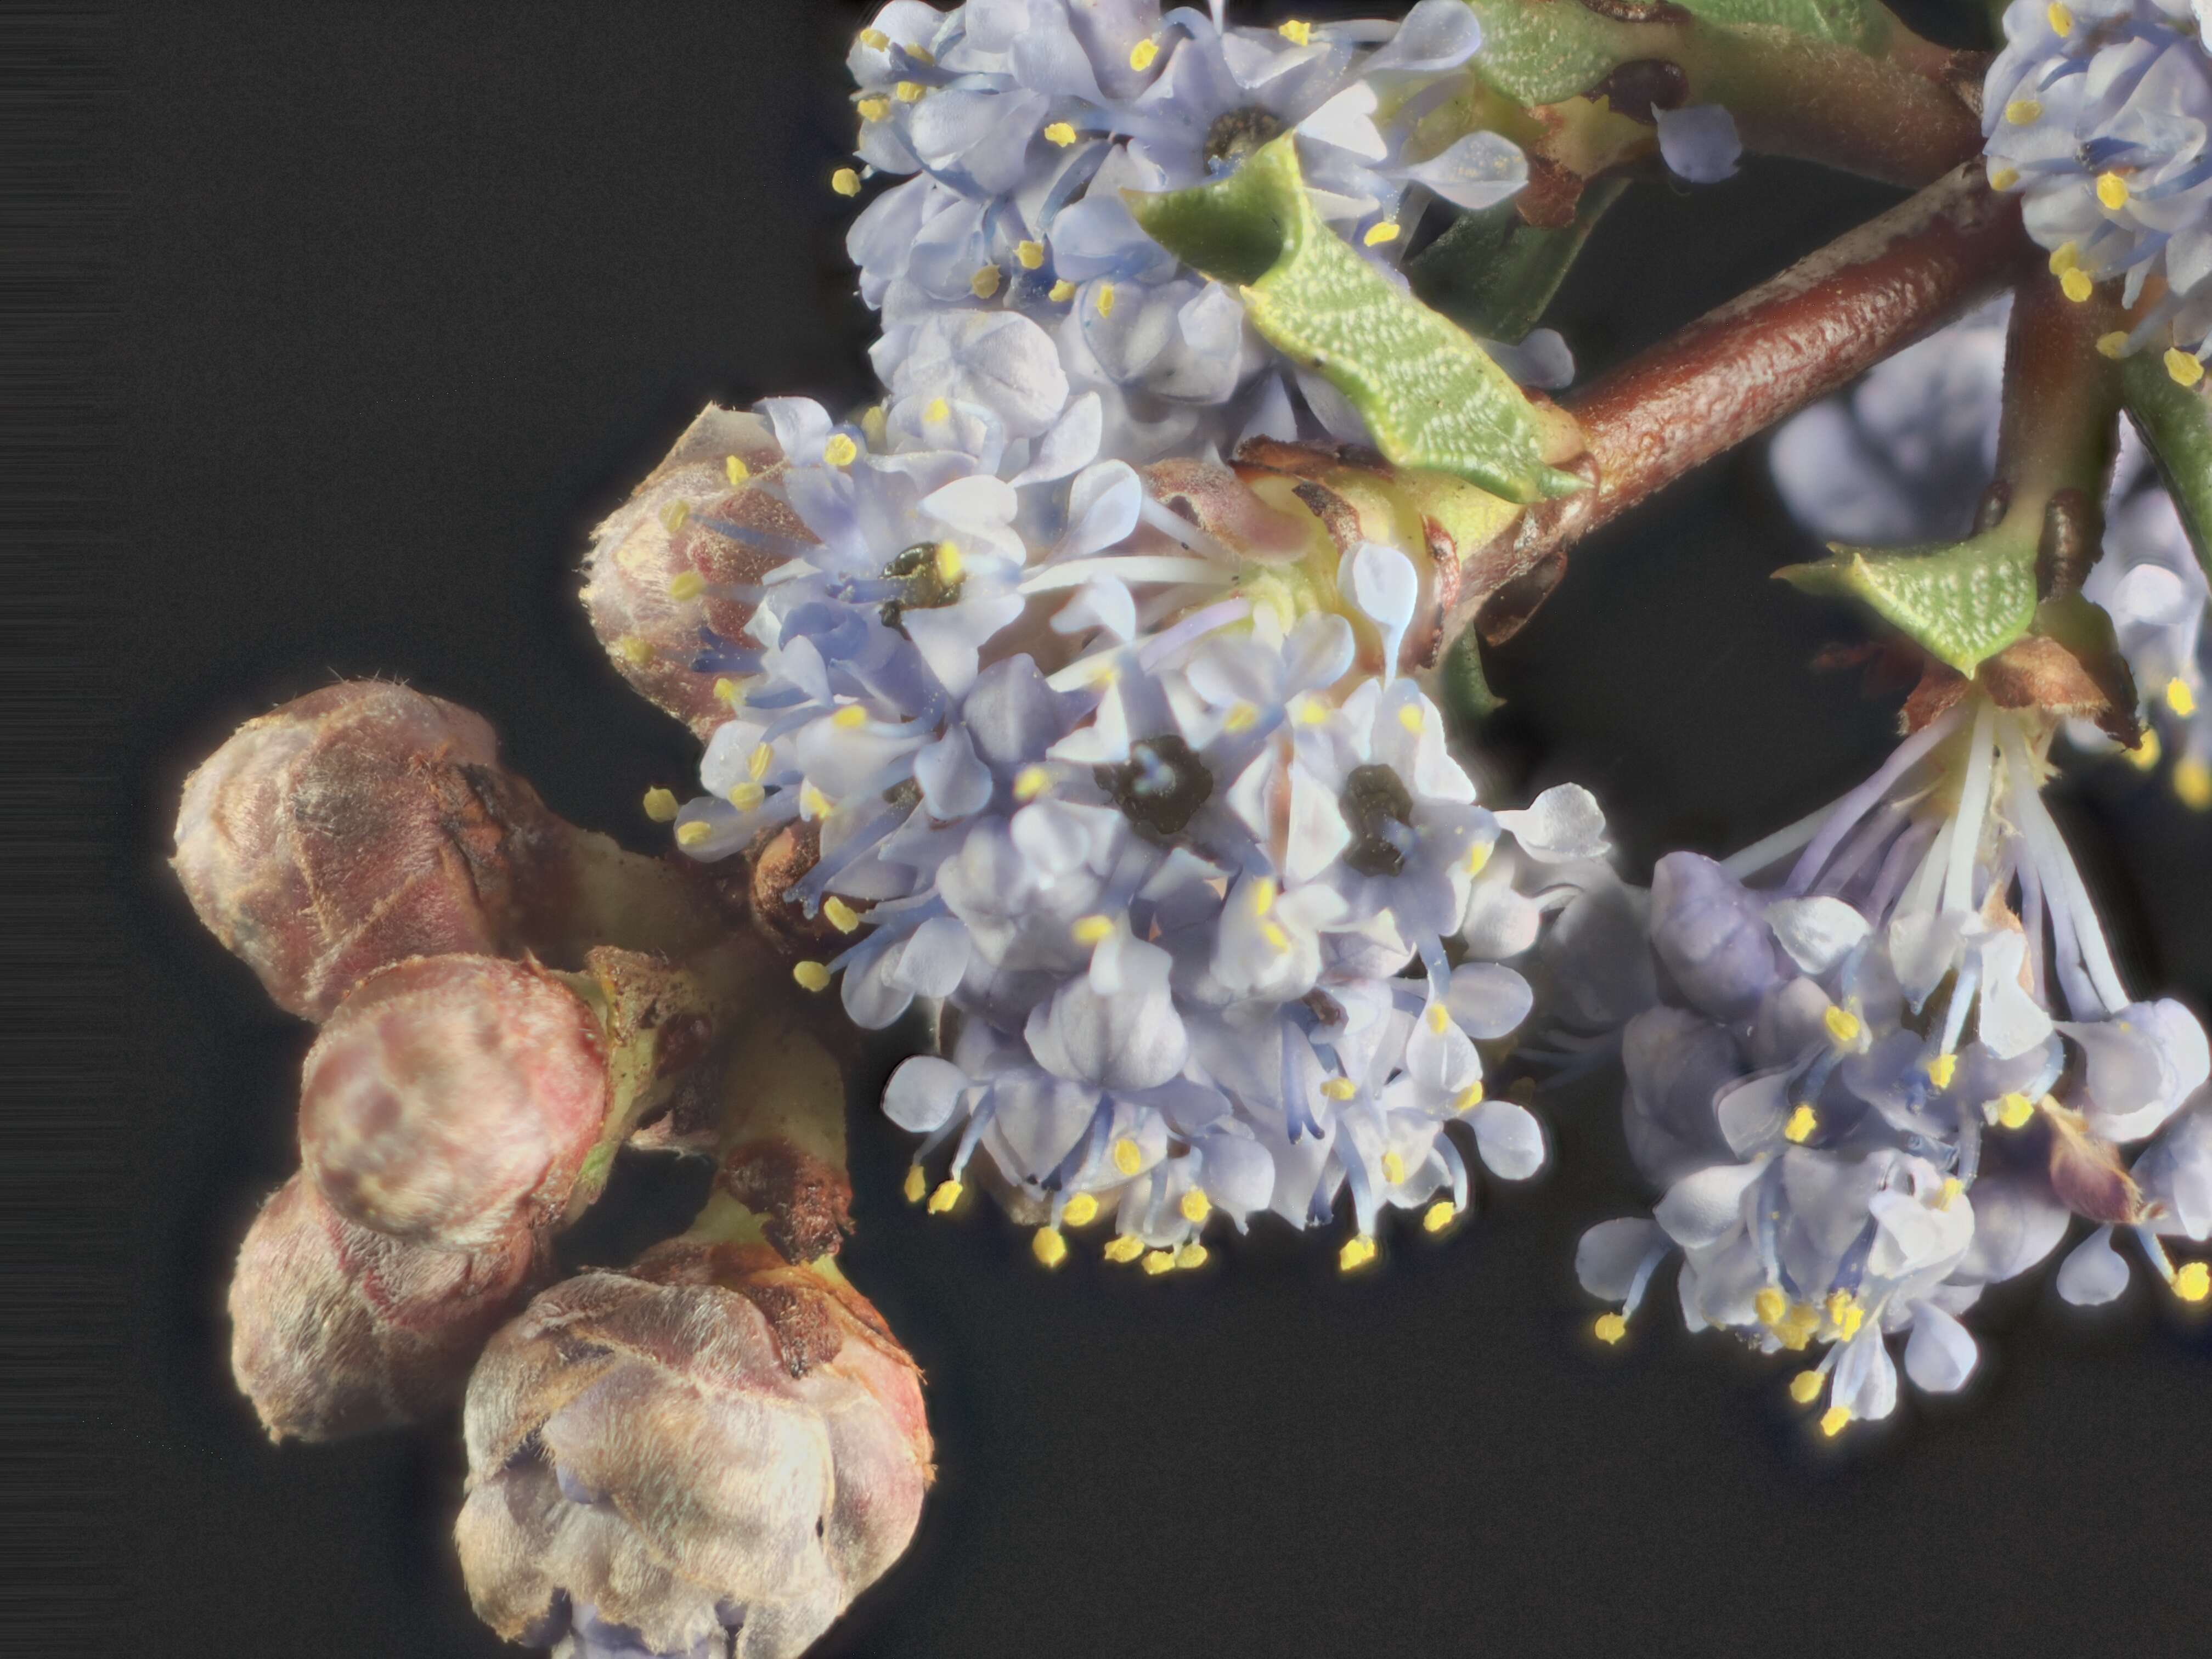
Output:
x=1493 y=273
x=1429 y=395
x=1962 y=602
x=1467 y=695
x=2176 y=424
x=1842 y=22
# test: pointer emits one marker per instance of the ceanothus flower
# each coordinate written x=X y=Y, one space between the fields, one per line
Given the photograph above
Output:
x=1018 y=124
x=1905 y=456
x=2096 y=112
x=1890 y=1076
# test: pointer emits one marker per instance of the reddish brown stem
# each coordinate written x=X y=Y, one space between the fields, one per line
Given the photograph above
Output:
x=1737 y=370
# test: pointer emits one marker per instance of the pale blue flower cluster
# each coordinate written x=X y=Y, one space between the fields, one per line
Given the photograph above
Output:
x=2097 y=112
x=1163 y=842
x=1905 y=456
x=1891 y=1076
x=1016 y=125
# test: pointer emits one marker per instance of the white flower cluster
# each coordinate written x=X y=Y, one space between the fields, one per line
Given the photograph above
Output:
x=1016 y=125
x=1893 y=1076
x=1904 y=457
x=1164 y=835
x=2097 y=112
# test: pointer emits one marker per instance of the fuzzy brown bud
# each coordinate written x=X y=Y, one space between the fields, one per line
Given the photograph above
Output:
x=713 y=1453
x=357 y=826
x=452 y=1100
x=337 y=1329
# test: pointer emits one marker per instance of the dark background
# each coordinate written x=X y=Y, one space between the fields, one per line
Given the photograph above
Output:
x=412 y=295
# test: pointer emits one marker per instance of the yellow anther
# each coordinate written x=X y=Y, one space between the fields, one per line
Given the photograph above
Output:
x=736 y=471
x=1845 y=1315
x=2186 y=368
x=1192 y=1255
x=1158 y=1261
x=1409 y=717
x=909 y=92
x=2180 y=697
x=845 y=182
x=1438 y=1216
x=1126 y=1158
x=950 y=564
x=2002 y=177
x=1940 y=1069
x=1028 y=255
x=746 y=796
x=1439 y=1017
x=1263 y=895
x=660 y=805
x=1295 y=33
x=1469 y=1097
x=694 y=833
x=1143 y=54
x=1031 y=781
x=2193 y=1281
x=1240 y=718
x=1124 y=1248
x=917 y=1184
x=1195 y=1207
x=1341 y=1088
x=1805 y=1387
x=1796 y=1329
x=1080 y=1211
x=634 y=651
x=1478 y=857
x=985 y=282
x=2064 y=257
x=1843 y=1024
x=874 y=109
x=810 y=975
x=686 y=585
x=673 y=516
x=2144 y=755
x=813 y=803
x=840 y=450
x=1833 y=1419
x=1047 y=1245
x=1769 y=1304
x=875 y=39
x=842 y=916
x=1278 y=940
x=2113 y=190
x=1062 y=292
x=1105 y=299
x=2114 y=344
x=946 y=1195
x=850 y=718
x=2192 y=781
x=1357 y=1252
x=1611 y=1328
x=1382 y=234
x=1093 y=930
x=1060 y=133
x=2076 y=286
x=2060 y=19
x=922 y=55
x=2021 y=111
x=1393 y=1169
x=1952 y=1187
x=873 y=421
x=1802 y=1122
x=759 y=760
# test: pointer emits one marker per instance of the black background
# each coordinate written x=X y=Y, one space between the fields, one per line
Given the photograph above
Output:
x=413 y=294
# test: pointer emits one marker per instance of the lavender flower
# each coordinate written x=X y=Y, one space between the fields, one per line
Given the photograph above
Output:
x=1018 y=124
x=2096 y=111
x=1886 y=1080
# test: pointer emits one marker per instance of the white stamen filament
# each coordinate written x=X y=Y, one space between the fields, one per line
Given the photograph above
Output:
x=1156 y=569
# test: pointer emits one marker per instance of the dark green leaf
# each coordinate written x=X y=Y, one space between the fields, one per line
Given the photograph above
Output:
x=1961 y=602
x=1493 y=273
x=2176 y=424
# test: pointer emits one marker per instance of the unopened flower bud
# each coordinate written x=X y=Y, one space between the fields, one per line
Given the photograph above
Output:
x=354 y=827
x=712 y=1453
x=452 y=1100
x=675 y=559
x=337 y=1329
